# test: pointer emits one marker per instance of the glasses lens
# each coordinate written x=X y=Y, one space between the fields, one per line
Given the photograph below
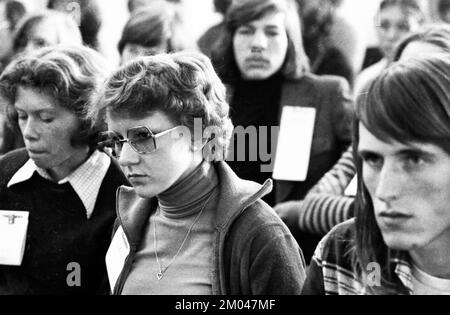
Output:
x=110 y=143
x=142 y=140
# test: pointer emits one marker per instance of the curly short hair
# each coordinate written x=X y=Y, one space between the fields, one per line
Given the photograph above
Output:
x=182 y=85
x=69 y=74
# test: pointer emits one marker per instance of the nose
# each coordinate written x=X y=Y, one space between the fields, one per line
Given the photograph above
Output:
x=128 y=156
x=389 y=183
x=258 y=41
x=30 y=130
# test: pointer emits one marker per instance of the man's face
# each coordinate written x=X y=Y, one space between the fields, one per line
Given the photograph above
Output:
x=409 y=185
x=260 y=46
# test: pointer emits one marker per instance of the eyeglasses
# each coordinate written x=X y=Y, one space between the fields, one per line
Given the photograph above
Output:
x=141 y=139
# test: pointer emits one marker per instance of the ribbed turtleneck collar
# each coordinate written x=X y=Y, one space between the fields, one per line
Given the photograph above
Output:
x=189 y=195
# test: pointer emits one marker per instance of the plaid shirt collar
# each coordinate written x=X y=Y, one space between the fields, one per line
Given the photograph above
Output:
x=403 y=270
x=85 y=180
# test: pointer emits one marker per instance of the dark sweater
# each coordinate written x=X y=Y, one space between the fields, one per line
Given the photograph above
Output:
x=59 y=232
x=256 y=104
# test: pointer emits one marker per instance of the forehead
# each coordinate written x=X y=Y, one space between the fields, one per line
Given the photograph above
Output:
x=30 y=99
x=156 y=121
x=396 y=13
x=272 y=18
x=368 y=142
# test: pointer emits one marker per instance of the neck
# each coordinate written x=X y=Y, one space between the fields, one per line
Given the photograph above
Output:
x=68 y=166
x=434 y=259
x=188 y=196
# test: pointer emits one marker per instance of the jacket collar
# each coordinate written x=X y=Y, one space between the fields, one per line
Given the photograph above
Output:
x=235 y=195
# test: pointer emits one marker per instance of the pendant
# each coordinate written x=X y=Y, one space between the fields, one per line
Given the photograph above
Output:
x=160 y=275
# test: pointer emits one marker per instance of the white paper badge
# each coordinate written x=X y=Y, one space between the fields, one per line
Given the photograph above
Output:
x=13 y=236
x=294 y=143
x=115 y=257
x=352 y=188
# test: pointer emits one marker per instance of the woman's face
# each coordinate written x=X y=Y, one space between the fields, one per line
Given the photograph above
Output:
x=47 y=130
x=153 y=173
x=260 y=46
x=41 y=35
x=395 y=23
x=408 y=185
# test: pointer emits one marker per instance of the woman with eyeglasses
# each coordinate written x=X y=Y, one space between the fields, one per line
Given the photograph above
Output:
x=189 y=225
x=66 y=186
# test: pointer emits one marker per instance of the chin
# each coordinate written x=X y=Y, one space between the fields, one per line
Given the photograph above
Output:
x=398 y=242
x=257 y=75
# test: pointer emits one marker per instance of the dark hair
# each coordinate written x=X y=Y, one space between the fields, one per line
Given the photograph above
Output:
x=69 y=74
x=150 y=26
x=182 y=85
x=65 y=26
x=437 y=35
x=90 y=22
x=222 y=6
x=15 y=11
x=409 y=102
x=443 y=6
x=245 y=11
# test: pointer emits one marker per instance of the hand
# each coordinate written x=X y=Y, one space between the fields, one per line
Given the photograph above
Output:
x=289 y=213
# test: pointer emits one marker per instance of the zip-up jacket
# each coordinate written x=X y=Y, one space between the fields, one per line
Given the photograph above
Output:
x=254 y=253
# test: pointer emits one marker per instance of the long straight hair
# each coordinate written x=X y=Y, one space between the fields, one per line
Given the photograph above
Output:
x=409 y=102
x=244 y=11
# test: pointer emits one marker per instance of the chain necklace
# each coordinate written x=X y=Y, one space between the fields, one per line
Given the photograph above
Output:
x=162 y=270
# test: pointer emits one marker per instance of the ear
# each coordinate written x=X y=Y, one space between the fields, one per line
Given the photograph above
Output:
x=74 y=11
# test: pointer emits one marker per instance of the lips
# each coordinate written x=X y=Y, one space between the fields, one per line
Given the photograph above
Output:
x=36 y=152
x=256 y=61
x=393 y=220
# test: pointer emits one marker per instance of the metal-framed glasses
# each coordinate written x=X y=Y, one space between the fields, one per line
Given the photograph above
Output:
x=141 y=139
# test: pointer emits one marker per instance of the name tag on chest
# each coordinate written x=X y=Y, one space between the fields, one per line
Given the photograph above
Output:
x=13 y=235
x=116 y=256
x=294 y=143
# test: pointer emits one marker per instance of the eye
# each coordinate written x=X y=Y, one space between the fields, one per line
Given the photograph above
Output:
x=46 y=118
x=244 y=30
x=413 y=160
x=374 y=161
x=21 y=116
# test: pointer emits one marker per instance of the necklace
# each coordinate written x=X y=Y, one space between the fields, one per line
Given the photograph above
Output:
x=162 y=270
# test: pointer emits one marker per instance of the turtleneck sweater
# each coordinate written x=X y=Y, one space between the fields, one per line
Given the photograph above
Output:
x=256 y=104
x=179 y=207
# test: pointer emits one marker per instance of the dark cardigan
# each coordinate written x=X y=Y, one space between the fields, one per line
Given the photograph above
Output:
x=58 y=232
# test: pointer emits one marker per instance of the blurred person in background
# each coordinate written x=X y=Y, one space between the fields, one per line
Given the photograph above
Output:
x=46 y=29
x=395 y=20
x=151 y=30
x=331 y=43
x=86 y=13
x=66 y=185
x=210 y=38
x=265 y=67
x=11 y=12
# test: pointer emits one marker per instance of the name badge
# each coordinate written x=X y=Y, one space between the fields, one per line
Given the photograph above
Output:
x=13 y=235
x=115 y=257
x=294 y=143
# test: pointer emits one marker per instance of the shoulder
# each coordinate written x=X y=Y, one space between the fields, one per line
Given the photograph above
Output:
x=259 y=222
x=336 y=246
x=318 y=85
x=10 y=163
